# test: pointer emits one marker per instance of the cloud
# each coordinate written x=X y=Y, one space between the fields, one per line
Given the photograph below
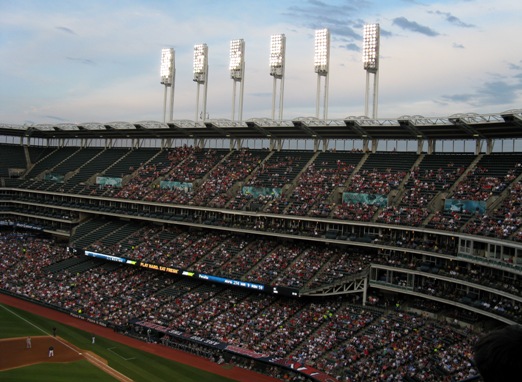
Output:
x=351 y=46
x=66 y=30
x=406 y=24
x=489 y=94
x=55 y=118
x=343 y=30
x=385 y=33
x=452 y=19
x=501 y=90
x=459 y=97
x=85 y=61
x=513 y=66
x=498 y=92
x=339 y=19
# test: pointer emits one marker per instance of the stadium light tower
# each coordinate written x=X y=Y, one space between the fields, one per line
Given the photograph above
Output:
x=237 y=73
x=321 y=65
x=168 y=74
x=277 y=70
x=201 y=77
x=371 y=65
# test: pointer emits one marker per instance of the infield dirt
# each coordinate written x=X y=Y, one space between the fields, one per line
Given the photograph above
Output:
x=15 y=353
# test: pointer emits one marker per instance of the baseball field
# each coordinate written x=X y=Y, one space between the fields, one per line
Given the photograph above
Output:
x=109 y=358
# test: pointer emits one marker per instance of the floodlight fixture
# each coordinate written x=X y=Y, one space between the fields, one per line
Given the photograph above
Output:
x=167 y=66
x=371 y=47
x=167 y=74
x=322 y=51
x=237 y=73
x=321 y=67
x=200 y=71
x=277 y=70
x=237 y=57
x=277 y=55
x=200 y=63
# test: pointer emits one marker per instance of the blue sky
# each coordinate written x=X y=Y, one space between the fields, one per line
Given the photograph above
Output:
x=98 y=61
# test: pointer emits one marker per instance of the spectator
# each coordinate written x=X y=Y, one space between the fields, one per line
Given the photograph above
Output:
x=498 y=354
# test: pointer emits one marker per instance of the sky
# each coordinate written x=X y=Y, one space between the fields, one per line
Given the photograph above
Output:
x=69 y=61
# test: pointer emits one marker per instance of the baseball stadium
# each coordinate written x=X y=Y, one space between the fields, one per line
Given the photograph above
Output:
x=261 y=249
x=323 y=264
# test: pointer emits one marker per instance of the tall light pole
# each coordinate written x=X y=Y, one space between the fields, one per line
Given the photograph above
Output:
x=168 y=76
x=371 y=65
x=321 y=66
x=237 y=73
x=201 y=76
x=277 y=70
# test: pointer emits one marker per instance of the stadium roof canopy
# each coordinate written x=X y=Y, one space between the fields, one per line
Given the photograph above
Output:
x=506 y=125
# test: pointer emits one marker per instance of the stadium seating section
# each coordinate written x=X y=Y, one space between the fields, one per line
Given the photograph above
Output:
x=289 y=218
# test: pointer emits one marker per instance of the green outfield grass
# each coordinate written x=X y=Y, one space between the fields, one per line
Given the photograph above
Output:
x=135 y=364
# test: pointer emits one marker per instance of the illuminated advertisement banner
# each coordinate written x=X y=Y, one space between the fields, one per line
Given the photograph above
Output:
x=106 y=257
x=108 y=181
x=239 y=283
x=256 y=192
x=54 y=177
x=21 y=225
x=466 y=206
x=161 y=268
x=285 y=291
x=369 y=199
x=169 y=184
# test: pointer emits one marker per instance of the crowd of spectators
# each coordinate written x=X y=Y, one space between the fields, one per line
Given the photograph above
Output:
x=342 y=264
x=234 y=168
x=315 y=185
x=348 y=341
x=277 y=170
x=485 y=183
x=355 y=211
x=304 y=331
x=298 y=265
x=477 y=185
x=252 y=259
x=424 y=183
x=275 y=263
x=471 y=272
x=409 y=216
x=144 y=178
x=301 y=186
x=504 y=220
x=375 y=181
x=273 y=173
x=451 y=221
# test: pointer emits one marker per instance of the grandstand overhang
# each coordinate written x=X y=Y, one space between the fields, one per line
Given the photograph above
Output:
x=471 y=126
